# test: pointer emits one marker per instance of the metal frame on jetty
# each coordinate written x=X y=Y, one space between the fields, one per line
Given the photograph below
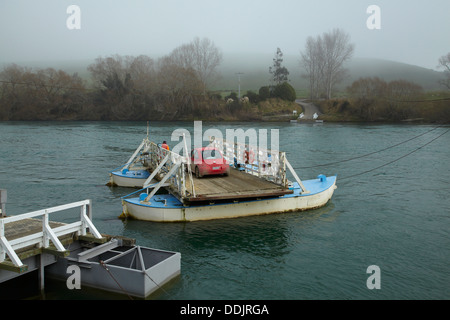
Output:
x=257 y=175
x=30 y=242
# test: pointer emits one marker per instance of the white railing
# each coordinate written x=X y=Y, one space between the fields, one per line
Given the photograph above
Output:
x=264 y=163
x=171 y=170
x=43 y=238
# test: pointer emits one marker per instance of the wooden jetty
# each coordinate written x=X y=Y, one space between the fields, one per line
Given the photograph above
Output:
x=30 y=242
x=27 y=235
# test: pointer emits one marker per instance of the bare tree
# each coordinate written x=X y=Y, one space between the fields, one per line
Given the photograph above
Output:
x=182 y=56
x=104 y=70
x=177 y=86
x=311 y=61
x=323 y=61
x=124 y=84
x=337 y=50
x=207 y=58
x=200 y=55
x=444 y=62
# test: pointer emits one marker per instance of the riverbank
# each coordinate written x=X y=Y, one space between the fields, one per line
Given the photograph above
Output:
x=435 y=109
x=426 y=109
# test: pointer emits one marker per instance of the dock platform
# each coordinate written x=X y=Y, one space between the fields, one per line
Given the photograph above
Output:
x=30 y=234
x=31 y=241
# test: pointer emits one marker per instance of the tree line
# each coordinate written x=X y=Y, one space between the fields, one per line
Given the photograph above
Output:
x=29 y=95
x=177 y=86
x=173 y=87
x=122 y=88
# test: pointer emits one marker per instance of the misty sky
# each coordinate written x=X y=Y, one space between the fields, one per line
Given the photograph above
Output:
x=414 y=31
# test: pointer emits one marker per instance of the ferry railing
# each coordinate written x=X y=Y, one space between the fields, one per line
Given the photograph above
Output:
x=139 y=155
x=143 y=149
x=264 y=163
x=43 y=238
x=171 y=170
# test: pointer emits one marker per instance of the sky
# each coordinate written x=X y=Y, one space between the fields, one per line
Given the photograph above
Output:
x=414 y=32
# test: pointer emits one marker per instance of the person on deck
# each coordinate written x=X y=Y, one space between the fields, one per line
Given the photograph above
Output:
x=165 y=145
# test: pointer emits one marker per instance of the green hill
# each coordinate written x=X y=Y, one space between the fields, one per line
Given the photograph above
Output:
x=256 y=72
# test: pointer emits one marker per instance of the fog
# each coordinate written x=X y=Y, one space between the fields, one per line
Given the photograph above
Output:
x=413 y=32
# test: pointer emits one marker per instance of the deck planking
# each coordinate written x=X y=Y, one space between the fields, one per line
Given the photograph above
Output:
x=26 y=227
x=237 y=185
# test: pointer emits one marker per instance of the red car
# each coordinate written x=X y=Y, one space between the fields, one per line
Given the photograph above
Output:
x=208 y=161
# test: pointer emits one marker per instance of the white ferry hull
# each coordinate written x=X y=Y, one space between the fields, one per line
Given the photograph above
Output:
x=169 y=213
x=132 y=179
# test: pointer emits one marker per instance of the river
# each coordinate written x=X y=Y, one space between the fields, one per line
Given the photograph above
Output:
x=391 y=209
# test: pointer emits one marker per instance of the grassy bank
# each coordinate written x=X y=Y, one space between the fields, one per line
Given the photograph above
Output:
x=273 y=109
x=430 y=107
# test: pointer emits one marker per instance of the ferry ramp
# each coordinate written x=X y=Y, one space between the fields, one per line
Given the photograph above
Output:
x=238 y=185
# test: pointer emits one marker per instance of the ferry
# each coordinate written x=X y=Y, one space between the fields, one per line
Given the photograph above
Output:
x=135 y=171
x=254 y=184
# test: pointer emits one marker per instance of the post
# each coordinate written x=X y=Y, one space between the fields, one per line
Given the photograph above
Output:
x=156 y=171
x=2 y=235
x=2 y=202
x=167 y=176
x=86 y=221
x=89 y=209
x=134 y=154
x=300 y=183
x=188 y=164
x=41 y=274
x=282 y=170
x=239 y=77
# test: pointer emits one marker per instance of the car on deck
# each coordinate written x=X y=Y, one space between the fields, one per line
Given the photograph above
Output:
x=208 y=161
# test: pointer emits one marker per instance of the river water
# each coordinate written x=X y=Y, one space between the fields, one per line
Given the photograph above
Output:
x=396 y=217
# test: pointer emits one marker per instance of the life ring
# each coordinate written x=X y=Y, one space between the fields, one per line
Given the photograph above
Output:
x=248 y=157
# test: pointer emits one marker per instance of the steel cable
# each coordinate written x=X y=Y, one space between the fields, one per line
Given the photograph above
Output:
x=390 y=162
x=368 y=154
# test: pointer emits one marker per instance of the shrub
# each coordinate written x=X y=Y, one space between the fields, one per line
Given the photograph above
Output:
x=264 y=93
x=252 y=96
x=233 y=95
x=285 y=91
